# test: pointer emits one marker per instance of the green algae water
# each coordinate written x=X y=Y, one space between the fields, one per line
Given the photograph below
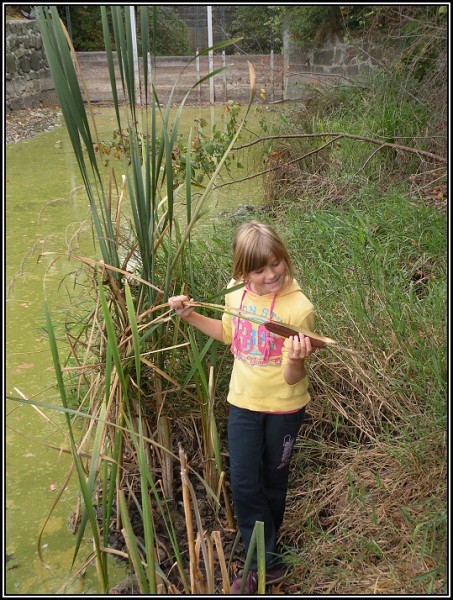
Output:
x=42 y=214
x=47 y=213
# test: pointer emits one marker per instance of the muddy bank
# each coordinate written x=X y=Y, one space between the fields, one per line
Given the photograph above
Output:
x=27 y=123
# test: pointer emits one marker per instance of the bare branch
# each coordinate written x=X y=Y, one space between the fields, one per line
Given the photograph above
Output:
x=350 y=136
x=290 y=162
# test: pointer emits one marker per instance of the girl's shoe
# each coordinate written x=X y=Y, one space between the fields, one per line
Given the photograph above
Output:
x=251 y=584
x=275 y=575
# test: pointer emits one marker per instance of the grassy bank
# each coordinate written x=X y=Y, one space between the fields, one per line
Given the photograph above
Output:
x=367 y=511
x=371 y=477
x=367 y=507
x=366 y=225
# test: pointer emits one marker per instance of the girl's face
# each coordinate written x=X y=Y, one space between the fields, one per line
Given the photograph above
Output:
x=270 y=278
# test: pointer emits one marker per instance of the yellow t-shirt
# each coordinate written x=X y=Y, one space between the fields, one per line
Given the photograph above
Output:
x=257 y=381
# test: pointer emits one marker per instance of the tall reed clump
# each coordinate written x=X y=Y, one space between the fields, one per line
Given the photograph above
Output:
x=130 y=335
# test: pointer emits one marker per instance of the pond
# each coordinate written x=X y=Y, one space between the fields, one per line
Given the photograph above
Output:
x=47 y=210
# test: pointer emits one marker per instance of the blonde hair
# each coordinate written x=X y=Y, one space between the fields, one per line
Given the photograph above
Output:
x=253 y=244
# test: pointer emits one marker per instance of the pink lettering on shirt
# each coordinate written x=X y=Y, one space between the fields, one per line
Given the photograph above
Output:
x=249 y=344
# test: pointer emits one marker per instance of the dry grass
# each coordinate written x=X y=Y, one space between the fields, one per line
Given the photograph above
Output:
x=366 y=512
x=357 y=532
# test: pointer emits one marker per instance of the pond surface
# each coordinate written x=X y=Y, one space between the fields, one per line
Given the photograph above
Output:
x=43 y=213
x=40 y=174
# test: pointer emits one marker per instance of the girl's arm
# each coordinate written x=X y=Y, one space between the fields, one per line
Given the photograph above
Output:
x=211 y=327
x=299 y=348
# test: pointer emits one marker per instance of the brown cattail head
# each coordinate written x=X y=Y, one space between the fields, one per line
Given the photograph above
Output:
x=318 y=341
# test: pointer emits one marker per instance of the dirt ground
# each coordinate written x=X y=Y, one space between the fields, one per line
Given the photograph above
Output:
x=27 y=123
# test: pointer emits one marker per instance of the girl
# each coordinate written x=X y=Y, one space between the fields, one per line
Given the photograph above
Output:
x=268 y=387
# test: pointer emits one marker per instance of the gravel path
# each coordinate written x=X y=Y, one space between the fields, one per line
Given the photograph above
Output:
x=27 y=123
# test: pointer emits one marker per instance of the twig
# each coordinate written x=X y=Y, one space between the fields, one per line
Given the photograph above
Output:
x=369 y=158
x=313 y=75
x=294 y=160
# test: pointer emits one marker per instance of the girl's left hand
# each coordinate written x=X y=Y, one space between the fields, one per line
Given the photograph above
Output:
x=299 y=347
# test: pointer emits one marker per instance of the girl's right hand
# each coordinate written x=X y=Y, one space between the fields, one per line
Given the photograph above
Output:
x=178 y=304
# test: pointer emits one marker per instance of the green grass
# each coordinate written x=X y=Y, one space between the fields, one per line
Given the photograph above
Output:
x=367 y=507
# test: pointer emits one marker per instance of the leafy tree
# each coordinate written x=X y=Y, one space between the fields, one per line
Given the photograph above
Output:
x=315 y=24
x=170 y=34
x=86 y=28
x=259 y=26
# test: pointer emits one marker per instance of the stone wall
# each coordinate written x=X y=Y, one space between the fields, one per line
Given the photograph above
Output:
x=28 y=83
x=334 y=62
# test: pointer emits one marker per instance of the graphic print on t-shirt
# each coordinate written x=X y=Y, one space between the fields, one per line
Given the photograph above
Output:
x=251 y=340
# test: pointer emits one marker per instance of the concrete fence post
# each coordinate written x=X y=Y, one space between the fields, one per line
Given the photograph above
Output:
x=225 y=93
x=197 y=67
x=272 y=75
x=135 y=54
x=211 y=55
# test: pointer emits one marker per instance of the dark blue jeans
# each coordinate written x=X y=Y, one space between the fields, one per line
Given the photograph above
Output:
x=260 y=447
